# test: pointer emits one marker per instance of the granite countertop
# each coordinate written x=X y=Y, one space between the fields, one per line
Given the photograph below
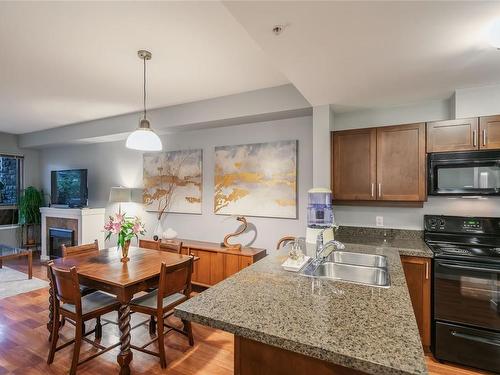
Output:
x=360 y=327
x=414 y=248
x=407 y=242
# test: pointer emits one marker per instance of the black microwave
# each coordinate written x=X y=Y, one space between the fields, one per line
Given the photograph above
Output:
x=464 y=173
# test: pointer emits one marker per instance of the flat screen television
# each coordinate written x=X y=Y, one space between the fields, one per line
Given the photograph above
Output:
x=69 y=188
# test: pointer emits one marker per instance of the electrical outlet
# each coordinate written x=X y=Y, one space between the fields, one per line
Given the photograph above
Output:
x=379 y=221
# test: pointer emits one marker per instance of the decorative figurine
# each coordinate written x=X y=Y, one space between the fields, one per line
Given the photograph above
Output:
x=237 y=233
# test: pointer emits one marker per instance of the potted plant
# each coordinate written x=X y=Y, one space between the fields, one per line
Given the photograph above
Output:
x=125 y=228
x=30 y=201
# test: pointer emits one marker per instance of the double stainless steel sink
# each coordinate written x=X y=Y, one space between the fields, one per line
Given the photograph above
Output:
x=359 y=259
x=359 y=268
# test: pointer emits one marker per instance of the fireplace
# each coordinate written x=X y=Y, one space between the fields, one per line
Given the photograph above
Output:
x=58 y=237
x=86 y=224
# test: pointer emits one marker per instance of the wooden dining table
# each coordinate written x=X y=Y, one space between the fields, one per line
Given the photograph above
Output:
x=103 y=270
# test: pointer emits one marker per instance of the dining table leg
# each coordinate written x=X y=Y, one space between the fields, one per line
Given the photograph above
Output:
x=51 y=307
x=125 y=356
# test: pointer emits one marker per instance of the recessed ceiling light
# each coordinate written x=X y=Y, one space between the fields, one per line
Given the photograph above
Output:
x=494 y=34
x=278 y=29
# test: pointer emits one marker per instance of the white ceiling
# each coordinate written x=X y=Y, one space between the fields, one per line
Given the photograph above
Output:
x=67 y=62
x=375 y=54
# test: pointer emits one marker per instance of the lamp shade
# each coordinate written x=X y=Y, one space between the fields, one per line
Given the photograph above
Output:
x=144 y=139
x=120 y=195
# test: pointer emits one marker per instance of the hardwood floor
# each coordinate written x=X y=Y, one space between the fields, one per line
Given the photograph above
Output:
x=24 y=345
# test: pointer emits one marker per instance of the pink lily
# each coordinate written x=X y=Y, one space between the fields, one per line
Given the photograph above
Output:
x=116 y=228
x=119 y=218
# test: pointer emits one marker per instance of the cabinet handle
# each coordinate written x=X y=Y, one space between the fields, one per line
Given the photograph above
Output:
x=373 y=189
x=427 y=270
x=484 y=137
x=380 y=190
x=474 y=138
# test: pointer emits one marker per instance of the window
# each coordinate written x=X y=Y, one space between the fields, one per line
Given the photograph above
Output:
x=11 y=184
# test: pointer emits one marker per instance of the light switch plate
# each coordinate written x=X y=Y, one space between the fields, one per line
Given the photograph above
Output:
x=379 y=221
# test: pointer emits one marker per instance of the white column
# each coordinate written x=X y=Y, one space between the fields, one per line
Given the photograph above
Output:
x=322 y=124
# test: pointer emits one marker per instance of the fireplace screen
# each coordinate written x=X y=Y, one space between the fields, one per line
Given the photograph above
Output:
x=58 y=237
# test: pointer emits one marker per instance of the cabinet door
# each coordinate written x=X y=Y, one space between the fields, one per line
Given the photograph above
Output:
x=453 y=135
x=231 y=264
x=202 y=267
x=417 y=272
x=245 y=262
x=489 y=132
x=216 y=267
x=401 y=163
x=354 y=164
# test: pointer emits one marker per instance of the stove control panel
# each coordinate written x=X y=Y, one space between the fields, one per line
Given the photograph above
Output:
x=435 y=223
x=461 y=224
x=472 y=224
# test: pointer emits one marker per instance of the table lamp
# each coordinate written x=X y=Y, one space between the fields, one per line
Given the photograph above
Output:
x=120 y=195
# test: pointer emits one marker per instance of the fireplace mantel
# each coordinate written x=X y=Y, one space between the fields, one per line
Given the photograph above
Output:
x=90 y=224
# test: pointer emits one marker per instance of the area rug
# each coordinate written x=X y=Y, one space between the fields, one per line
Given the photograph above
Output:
x=13 y=282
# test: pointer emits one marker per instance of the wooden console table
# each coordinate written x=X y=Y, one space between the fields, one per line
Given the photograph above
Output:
x=8 y=252
x=217 y=262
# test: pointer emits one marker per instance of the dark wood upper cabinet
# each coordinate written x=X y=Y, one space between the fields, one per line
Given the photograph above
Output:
x=489 y=127
x=453 y=135
x=401 y=163
x=354 y=164
x=379 y=164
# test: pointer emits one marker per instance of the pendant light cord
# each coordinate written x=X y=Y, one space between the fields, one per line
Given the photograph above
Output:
x=144 y=61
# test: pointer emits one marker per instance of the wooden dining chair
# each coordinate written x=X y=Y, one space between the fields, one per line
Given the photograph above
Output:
x=69 y=251
x=149 y=244
x=284 y=241
x=69 y=303
x=171 y=246
x=168 y=246
x=174 y=288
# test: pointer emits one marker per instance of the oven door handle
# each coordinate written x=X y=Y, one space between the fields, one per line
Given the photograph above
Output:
x=483 y=340
x=482 y=269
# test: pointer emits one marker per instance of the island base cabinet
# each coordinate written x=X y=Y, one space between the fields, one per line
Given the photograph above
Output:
x=255 y=358
x=418 y=279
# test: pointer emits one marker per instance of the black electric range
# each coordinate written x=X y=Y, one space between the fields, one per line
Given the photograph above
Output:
x=466 y=289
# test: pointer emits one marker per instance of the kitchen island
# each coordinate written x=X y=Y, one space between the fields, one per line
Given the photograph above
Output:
x=285 y=323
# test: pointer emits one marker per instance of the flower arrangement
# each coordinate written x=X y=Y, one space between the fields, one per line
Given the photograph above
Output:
x=125 y=228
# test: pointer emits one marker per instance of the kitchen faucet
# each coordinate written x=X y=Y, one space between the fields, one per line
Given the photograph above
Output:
x=321 y=247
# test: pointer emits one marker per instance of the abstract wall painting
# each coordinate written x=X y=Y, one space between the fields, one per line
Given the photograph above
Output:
x=173 y=181
x=256 y=180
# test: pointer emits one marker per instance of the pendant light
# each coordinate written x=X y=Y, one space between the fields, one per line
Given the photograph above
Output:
x=144 y=138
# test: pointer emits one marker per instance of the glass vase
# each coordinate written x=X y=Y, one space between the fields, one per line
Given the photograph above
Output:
x=124 y=250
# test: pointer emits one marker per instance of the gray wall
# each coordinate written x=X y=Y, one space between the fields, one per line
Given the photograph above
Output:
x=111 y=164
x=412 y=218
x=420 y=112
x=477 y=101
x=9 y=145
